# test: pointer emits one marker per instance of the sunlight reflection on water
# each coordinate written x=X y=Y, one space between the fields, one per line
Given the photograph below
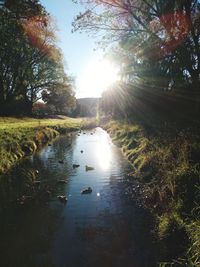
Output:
x=102 y=228
x=103 y=153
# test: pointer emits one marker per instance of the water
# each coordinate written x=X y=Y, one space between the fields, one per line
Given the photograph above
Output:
x=104 y=228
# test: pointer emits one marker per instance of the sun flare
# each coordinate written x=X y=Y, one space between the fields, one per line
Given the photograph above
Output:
x=103 y=152
x=98 y=76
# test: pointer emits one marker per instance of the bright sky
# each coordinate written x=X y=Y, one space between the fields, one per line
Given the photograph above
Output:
x=82 y=61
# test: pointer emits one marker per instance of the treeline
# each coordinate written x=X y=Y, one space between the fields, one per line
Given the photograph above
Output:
x=86 y=107
x=156 y=43
x=31 y=65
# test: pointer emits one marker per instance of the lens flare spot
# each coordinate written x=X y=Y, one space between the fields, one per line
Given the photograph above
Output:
x=40 y=30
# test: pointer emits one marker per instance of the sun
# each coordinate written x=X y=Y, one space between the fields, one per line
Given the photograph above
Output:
x=98 y=76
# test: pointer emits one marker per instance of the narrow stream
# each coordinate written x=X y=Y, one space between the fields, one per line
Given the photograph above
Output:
x=104 y=228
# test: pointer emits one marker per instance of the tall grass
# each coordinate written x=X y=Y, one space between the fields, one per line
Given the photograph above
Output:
x=166 y=164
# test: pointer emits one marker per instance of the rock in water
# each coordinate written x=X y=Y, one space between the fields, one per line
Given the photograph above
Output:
x=87 y=190
x=88 y=168
x=75 y=166
x=62 y=199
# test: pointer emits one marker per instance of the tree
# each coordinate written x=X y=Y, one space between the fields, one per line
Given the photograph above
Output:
x=60 y=96
x=13 y=50
x=30 y=62
x=23 y=9
x=41 y=109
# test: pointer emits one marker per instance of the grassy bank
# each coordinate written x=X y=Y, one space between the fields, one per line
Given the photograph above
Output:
x=21 y=137
x=166 y=166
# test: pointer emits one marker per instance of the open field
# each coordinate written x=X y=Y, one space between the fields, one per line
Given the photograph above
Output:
x=7 y=123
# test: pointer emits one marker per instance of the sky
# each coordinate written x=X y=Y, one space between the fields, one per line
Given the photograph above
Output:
x=78 y=49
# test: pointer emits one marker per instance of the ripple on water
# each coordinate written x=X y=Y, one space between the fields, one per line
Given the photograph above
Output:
x=97 y=229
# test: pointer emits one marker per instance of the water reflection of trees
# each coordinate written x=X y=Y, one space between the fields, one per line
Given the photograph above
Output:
x=27 y=225
x=26 y=237
x=20 y=181
x=130 y=241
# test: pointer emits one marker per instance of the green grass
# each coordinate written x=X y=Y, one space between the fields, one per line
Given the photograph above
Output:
x=7 y=123
x=166 y=163
x=21 y=137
